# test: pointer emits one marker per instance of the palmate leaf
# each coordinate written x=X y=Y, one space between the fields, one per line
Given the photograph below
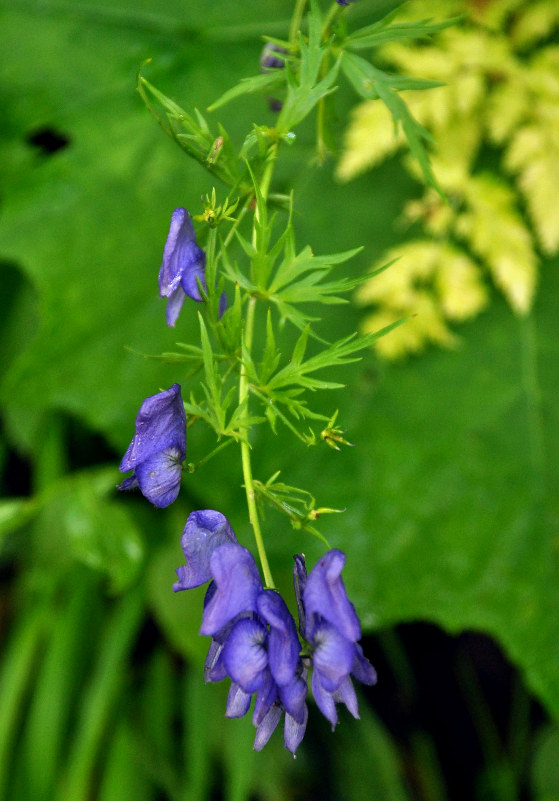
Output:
x=339 y=353
x=304 y=90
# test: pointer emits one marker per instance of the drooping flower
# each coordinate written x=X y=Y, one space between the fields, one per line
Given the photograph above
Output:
x=158 y=448
x=329 y=623
x=254 y=637
x=183 y=265
x=203 y=533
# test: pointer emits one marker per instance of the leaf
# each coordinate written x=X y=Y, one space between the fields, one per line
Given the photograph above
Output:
x=384 y=31
x=215 y=153
x=255 y=83
x=99 y=223
x=339 y=353
x=305 y=90
x=370 y=83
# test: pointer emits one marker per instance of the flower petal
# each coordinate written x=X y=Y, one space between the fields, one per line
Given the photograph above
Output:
x=159 y=477
x=325 y=595
x=293 y=696
x=214 y=666
x=267 y=727
x=174 y=305
x=245 y=656
x=324 y=700
x=160 y=424
x=294 y=731
x=346 y=694
x=362 y=668
x=283 y=643
x=204 y=531
x=333 y=656
x=238 y=702
x=181 y=254
x=299 y=583
x=238 y=584
x=265 y=697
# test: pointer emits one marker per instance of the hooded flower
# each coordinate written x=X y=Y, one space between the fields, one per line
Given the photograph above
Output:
x=203 y=533
x=329 y=623
x=158 y=448
x=183 y=265
x=254 y=637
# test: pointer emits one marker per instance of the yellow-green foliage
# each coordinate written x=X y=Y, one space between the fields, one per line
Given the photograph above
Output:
x=502 y=91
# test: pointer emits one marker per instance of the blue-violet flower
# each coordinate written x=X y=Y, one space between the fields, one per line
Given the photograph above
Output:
x=254 y=637
x=158 y=448
x=329 y=623
x=183 y=265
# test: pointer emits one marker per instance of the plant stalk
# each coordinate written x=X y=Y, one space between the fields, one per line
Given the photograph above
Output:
x=245 y=456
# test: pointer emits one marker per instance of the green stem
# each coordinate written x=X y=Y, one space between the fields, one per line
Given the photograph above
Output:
x=245 y=456
x=265 y=182
x=296 y=20
x=192 y=467
x=268 y=170
x=333 y=13
x=238 y=221
x=211 y=268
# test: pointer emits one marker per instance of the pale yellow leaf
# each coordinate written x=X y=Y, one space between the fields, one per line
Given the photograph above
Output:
x=459 y=284
x=534 y=22
x=534 y=156
x=496 y=232
x=369 y=139
x=507 y=106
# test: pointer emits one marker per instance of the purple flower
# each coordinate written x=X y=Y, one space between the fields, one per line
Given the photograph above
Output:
x=158 y=448
x=344 y=2
x=261 y=655
x=203 y=533
x=254 y=637
x=183 y=265
x=271 y=57
x=329 y=623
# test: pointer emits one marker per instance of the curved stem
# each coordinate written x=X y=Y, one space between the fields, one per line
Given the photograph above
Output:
x=244 y=397
x=245 y=456
x=268 y=170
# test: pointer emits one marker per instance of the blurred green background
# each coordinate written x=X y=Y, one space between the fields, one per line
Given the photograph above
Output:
x=450 y=492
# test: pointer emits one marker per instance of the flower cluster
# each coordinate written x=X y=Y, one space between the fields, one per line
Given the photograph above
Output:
x=254 y=636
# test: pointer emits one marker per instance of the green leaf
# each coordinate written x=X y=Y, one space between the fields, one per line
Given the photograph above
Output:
x=371 y=83
x=102 y=698
x=14 y=513
x=103 y=535
x=304 y=90
x=271 y=355
x=215 y=153
x=19 y=655
x=339 y=353
x=256 y=83
x=383 y=31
